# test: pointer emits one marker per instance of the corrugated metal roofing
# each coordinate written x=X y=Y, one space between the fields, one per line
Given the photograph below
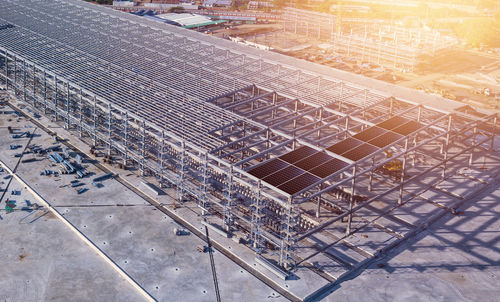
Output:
x=186 y=19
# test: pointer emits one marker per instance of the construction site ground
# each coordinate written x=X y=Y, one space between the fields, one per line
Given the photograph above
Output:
x=455 y=258
x=244 y=29
x=43 y=260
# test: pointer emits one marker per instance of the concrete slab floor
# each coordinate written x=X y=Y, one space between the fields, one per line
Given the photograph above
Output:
x=42 y=260
x=457 y=259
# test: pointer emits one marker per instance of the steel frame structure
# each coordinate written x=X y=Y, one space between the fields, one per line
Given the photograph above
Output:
x=199 y=116
x=309 y=23
x=390 y=46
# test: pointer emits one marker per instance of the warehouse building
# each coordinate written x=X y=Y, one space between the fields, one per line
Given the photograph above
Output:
x=291 y=156
x=187 y=20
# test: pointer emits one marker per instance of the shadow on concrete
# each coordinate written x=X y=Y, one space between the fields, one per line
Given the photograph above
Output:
x=464 y=241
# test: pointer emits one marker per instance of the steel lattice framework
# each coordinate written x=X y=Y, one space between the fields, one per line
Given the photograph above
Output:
x=279 y=153
x=385 y=45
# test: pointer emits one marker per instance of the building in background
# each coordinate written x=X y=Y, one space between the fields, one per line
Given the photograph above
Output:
x=187 y=20
x=142 y=2
x=260 y=4
x=223 y=3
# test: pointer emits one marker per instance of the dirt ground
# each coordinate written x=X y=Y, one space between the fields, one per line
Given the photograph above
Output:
x=459 y=74
x=245 y=30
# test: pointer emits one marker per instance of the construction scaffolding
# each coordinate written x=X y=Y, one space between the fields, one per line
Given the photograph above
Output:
x=294 y=160
x=307 y=23
x=393 y=46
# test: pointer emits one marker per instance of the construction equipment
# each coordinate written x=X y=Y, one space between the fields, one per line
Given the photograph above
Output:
x=392 y=168
x=9 y=206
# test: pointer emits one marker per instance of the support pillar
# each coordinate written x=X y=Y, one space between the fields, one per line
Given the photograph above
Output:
x=68 y=100
x=34 y=87
x=24 y=80
x=447 y=141
x=296 y=109
x=143 y=147
x=371 y=175
x=346 y=133
x=6 y=67
x=125 y=138
x=94 y=115
x=161 y=153
x=56 y=90
x=15 y=73
x=203 y=199
x=256 y=216
x=391 y=106
x=80 y=114
x=318 y=135
x=415 y=138
x=228 y=204
x=318 y=209
x=288 y=243
x=351 y=200
x=182 y=166
x=44 y=92
x=403 y=172
x=110 y=122
x=471 y=156
x=492 y=144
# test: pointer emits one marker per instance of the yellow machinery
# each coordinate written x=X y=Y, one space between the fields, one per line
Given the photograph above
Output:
x=392 y=166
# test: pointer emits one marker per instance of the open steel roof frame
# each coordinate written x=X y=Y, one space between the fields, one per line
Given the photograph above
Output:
x=244 y=135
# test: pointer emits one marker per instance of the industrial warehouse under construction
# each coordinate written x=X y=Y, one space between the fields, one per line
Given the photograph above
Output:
x=291 y=160
x=390 y=46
